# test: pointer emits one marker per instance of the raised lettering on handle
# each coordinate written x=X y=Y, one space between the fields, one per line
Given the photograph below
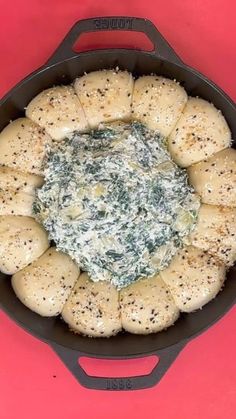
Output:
x=113 y=23
x=119 y=384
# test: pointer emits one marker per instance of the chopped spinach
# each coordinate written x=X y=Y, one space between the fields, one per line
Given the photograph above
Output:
x=115 y=202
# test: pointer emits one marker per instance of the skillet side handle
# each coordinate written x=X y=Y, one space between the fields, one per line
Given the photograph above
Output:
x=166 y=358
x=114 y=23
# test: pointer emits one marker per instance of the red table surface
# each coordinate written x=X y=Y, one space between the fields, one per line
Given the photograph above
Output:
x=202 y=381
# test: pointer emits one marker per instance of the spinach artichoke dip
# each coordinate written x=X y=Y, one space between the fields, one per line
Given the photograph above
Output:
x=114 y=201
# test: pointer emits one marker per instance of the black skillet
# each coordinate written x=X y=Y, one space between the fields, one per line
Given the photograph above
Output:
x=63 y=67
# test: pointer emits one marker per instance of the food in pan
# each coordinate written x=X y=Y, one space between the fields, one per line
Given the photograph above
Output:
x=158 y=93
x=200 y=132
x=57 y=111
x=116 y=203
x=23 y=146
x=147 y=306
x=45 y=284
x=105 y=96
x=19 y=181
x=17 y=191
x=215 y=232
x=93 y=308
x=193 y=277
x=151 y=238
x=214 y=179
x=23 y=240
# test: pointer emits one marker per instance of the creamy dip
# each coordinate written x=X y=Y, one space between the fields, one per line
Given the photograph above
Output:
x=115 y=202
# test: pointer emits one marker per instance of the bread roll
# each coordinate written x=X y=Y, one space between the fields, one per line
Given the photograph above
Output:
x=200 y=132
x=158 y=103
x=58 y=111
x=215 y=179
x=14 y=202
x=45 y=285
x=194 y=278
x=216 y=232
x=147 y=306
x=19 y=181
x=105 y=95
x=23 y=146
x=93 y=308
x=22 y=241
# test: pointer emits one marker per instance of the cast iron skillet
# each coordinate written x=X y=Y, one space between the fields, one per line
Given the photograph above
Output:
x=63 y=67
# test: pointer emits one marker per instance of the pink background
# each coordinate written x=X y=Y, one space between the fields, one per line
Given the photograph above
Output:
x=202 y=381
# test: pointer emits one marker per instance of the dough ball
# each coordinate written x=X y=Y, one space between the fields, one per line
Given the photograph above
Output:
x=216 y=232
x=215 y=179
x=58 y=111
x=23 y=146
x=45 y=285
x=14 y=202
x=105 y=95
x=93 y=308
x=19 y=181
x=147 y=306
x=158 y=103
x=194 y=278
x=200 y=132
x=22 y=241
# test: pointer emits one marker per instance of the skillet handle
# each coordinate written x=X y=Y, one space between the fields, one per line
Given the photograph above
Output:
x=166 y=358
x=114 y=23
